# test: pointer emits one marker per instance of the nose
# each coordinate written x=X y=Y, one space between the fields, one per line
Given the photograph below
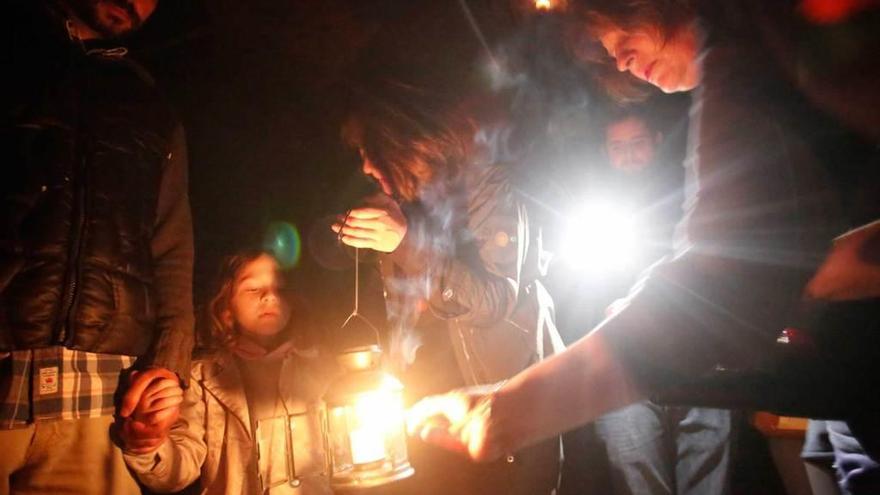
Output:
x=624 y=60
x=270 y=296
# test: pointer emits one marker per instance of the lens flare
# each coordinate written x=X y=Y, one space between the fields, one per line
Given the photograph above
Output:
x=600 y=237
x=283 y=241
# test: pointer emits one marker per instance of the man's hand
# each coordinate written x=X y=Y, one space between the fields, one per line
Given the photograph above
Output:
x=459 y=421
x=380 y=225
x=851 y=269
x=149 y=409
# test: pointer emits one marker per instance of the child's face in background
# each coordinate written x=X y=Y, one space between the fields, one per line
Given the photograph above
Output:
x=257 y=307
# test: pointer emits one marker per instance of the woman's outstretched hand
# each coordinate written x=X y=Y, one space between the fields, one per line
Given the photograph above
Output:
x=460 y=421
x=379 y=225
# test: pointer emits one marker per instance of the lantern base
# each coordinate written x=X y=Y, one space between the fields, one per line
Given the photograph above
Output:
x=356 y=478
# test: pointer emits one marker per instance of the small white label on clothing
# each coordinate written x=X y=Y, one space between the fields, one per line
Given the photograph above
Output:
x=48 y=380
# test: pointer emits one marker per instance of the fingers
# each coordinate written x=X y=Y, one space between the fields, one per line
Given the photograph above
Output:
x=145 y=434
x=443 y=438
x=139 y=383
x=457 y=421
x=354 y=231
x=358 y=242
x=159 y=403
x=163 y=419
x=366 y=213
x=432 y=411
x=377 y=223
x=161 y=387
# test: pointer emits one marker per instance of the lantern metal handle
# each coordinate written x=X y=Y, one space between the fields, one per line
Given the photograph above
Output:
x=357 y=286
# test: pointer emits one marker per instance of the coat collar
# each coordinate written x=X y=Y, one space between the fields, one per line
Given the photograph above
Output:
x=222 y=379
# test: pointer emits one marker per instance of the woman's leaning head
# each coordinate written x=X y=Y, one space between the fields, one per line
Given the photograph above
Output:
x=656 y=41
x=408 y=137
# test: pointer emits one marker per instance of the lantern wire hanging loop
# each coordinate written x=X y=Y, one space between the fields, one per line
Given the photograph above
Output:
x=355 y=313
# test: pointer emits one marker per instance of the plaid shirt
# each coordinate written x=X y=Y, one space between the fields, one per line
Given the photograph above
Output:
x=58 y=383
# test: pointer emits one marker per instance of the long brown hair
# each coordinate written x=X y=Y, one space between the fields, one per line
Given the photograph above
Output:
x=411 y=134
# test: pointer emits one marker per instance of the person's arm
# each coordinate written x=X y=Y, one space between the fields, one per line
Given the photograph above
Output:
x=555 y=395
x=760 y=214
x=760 y=217
x=475 y=281
x=172 y=250
x=177 y=462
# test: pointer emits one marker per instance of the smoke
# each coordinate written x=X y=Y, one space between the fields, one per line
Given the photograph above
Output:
x=434 y=222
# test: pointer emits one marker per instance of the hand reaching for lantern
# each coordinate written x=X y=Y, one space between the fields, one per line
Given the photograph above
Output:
x=460 y=421
x=379 y=225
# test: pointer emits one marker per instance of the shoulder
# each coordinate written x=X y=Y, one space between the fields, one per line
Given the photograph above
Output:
x=488 y=191
x=207 y=365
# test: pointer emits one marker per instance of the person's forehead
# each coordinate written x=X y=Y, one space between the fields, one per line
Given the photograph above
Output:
x=627 y=128
x=259 y=267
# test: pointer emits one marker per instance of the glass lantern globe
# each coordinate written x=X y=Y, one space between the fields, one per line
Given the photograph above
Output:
x=366 y=430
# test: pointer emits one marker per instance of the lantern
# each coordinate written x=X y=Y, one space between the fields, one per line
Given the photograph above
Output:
x=366 y=431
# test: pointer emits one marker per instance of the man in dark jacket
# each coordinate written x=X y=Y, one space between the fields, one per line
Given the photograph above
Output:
x=95 y=247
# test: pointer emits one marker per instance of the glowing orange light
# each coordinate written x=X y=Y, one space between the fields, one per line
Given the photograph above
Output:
x=543 y=4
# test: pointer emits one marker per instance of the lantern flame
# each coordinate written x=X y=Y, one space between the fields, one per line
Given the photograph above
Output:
x=376 y=414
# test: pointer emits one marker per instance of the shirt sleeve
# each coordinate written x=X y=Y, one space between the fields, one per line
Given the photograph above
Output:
x=760 y=215
x=177 y=462
x=474 y=271
x=172 y=250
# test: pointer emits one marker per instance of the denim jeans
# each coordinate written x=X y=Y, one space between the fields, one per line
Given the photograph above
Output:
x=659 y=450
x=857 y=472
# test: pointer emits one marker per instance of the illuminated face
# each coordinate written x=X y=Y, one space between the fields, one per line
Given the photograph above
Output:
x=370 y=170
x=668 y=63
x=113 y=18
x=630 y=144
x=257 y=307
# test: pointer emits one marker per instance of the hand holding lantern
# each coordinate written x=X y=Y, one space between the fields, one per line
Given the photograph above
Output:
x=379 y=225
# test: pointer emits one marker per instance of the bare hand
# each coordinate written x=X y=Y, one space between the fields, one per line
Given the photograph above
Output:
x=145 y=423
x=380 y=226
x=140 y=381
x=851 y=269
x=459 y=421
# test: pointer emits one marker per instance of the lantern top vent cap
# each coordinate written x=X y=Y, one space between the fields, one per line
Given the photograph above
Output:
x=360 y=358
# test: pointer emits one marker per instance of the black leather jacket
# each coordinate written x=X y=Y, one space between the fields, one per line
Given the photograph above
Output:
x=96 y=240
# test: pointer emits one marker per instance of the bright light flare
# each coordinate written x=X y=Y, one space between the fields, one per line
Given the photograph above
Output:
x=543 y=4
x=376 y=415
x=600 y=237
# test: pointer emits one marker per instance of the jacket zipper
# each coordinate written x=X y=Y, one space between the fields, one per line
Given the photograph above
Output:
x=65 y=334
